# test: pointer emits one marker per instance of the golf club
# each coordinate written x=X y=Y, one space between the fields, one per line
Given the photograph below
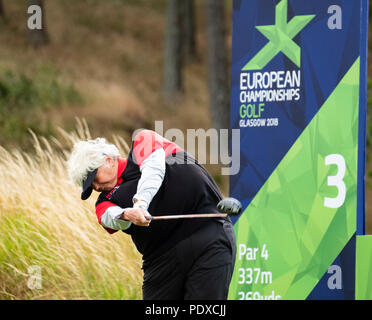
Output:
x=226 y=207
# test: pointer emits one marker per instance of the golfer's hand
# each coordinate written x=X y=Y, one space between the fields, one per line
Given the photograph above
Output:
x=136 y=216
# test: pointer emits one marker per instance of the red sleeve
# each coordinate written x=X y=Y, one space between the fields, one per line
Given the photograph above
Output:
x=100 y=210
x=147 y=141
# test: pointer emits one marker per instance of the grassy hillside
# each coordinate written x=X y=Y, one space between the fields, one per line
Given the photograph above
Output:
x=111 y=54
x=53 y=231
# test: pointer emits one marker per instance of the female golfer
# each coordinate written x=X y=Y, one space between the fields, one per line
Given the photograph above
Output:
x=182 y=258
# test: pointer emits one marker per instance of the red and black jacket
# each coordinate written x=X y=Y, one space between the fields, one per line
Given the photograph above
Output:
x=187 y=188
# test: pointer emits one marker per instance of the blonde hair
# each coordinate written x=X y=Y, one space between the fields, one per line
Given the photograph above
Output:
x=87 y=156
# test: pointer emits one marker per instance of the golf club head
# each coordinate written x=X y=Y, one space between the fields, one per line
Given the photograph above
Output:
x=230 y=206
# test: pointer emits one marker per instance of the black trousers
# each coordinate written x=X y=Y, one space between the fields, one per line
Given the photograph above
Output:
x=197 y=268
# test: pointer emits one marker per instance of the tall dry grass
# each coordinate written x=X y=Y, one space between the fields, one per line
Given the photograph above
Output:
x=44 y=223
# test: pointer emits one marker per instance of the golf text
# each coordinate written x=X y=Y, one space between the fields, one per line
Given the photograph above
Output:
x=192 y=309
x=270 y=86
x=253 y=275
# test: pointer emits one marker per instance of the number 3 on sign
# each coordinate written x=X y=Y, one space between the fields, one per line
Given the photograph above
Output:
x=336 y=181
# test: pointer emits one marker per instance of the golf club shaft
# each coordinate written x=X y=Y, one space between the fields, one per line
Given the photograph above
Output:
x=185 y=216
